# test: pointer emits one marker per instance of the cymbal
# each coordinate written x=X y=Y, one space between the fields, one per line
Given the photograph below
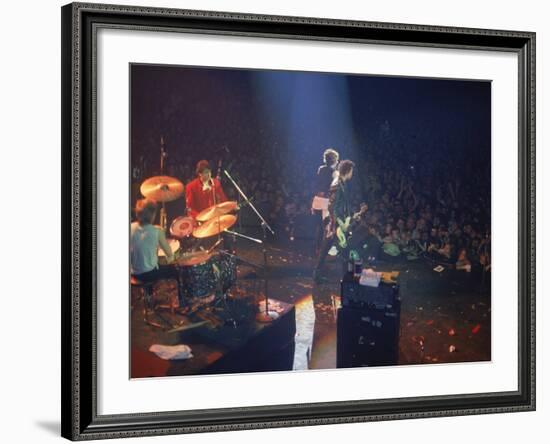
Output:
x=217 y=210
x=215 y=226
x=193 y=258
x=162 y=188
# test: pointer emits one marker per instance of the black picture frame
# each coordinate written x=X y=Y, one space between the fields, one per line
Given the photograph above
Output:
x=79 y=209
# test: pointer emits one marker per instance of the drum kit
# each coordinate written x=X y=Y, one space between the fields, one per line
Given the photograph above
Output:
x=201 y=272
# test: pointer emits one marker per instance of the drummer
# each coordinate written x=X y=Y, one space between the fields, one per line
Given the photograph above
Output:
x=203 y=191
x=145 y=241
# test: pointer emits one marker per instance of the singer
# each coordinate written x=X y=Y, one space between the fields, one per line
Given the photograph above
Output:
x=203 y=191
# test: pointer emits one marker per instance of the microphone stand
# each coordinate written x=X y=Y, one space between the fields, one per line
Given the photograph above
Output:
x=162 y=160
x=252 y=239
x=232 y=233
x=263 y=316
x=221 y=295
x=265 y=225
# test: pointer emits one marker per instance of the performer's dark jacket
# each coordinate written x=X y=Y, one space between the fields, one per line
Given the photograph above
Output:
x=198 y=199
x=323 y=179
x=339 y=201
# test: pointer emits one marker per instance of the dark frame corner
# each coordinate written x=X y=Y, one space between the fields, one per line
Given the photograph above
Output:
x=79 y=397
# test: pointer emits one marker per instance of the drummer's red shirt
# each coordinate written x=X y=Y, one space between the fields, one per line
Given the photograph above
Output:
x=197 y=199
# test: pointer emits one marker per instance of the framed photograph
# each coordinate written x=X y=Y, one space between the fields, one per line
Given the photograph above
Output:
x=277 y=221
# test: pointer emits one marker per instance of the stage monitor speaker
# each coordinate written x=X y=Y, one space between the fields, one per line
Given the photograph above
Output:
x=368 y=326
x=355 y=295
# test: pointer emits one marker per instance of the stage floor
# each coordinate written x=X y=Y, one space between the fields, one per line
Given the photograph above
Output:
x=445 y=317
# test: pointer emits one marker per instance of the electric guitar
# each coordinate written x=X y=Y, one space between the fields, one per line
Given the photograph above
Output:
x=343 y=228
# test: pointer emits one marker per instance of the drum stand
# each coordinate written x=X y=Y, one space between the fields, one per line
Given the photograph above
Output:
x=149 y=306
x=162 y=160
x=162 y=217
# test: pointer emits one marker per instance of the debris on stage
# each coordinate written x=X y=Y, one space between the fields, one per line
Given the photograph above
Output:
x=444 y=317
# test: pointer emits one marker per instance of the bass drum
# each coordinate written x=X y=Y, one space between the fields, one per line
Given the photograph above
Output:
x=228 y=269
x=200 y=273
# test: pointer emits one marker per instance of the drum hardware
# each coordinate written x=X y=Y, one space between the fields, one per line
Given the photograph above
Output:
x=162 y=188
x=160 y=316
x=152 y=323
x=149 y=305
x=163 y=154
x=188 y=326
x=213 y=247
x=221 y=293
x=174 y=310
x=264 y=316
x=162 y=217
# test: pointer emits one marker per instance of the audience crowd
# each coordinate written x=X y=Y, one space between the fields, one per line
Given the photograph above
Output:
x=425 y=200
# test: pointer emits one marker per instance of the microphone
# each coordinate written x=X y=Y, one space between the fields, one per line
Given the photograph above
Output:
x=219 y=175
x=162 y=147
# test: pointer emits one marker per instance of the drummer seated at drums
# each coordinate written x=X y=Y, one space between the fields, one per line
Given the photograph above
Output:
x=145 y=241
x=204 y=191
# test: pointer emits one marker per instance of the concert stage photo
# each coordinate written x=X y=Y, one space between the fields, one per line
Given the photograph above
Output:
x=295 y=221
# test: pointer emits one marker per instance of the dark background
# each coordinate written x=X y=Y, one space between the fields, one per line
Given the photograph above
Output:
x=199 y=111
x=270 y=128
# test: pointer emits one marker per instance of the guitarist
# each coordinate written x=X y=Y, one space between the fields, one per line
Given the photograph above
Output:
x=326 y=174
x=340 y=215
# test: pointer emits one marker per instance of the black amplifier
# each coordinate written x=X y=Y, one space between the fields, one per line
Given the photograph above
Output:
x=355 y=295
x=367 y=337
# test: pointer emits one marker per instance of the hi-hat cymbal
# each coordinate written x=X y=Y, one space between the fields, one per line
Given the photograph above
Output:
x=162 y=188
x=215 y=226
x=193 y=258
x=217 y=210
